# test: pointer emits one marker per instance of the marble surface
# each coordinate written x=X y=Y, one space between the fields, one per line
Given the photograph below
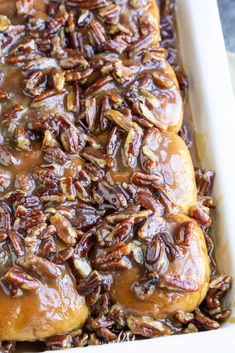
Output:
x=227 y=14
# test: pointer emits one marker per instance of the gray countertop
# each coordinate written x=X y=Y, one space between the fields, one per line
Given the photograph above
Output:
x=227 y=14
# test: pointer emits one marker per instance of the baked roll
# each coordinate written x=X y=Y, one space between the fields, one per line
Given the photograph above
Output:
x=46 y=309
x=102 y=219
x=182 y=273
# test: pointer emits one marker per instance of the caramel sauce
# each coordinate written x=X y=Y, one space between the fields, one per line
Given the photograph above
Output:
x=56 y=307
x=193 y=266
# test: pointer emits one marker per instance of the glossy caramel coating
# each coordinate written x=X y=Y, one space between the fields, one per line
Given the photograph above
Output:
x=154 y=11
x=193 y=267
x=54 y=308
x=174 y=167
x=172 y=109
x=177 y=170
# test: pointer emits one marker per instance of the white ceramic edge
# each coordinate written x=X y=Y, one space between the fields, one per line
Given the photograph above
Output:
x=213 y=110
x=211 y=98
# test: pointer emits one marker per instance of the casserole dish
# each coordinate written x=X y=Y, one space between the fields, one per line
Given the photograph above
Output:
x=212 y=106
x=88 y=238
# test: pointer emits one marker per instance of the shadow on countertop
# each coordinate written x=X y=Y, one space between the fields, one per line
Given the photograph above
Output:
x=227 y=14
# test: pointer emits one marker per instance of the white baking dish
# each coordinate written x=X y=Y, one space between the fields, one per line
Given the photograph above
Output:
x=211 y=99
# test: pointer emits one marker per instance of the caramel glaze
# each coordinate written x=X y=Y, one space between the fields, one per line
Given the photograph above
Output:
x=193 y=266
x=175 y=168
x=54 y=308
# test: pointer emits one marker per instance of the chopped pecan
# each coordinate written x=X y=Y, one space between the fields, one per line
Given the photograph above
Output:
x=73 y=98
x=191 y=328
x=184 y=317
x=23 y=7
x=205 y=321
x=107 y=334
x=117 y=315
x=46 y=247
x=6 y=157
x=5 y=217
x=81 y=192
x=27 y=218
x=5 y=180
x=73 y=140
x=63 y=255
x=22 y=138
x=55 y=155
x=39 y=266
x=80 y=339
x=131 y=211
x=95 y=156
x=67 y=187
x=147 y=327
x=96 y=33
x=95 y=173
x=114 y=258
x=136 y=251
x=175 y=283
x=49 y=97
x=34 y=83
x=18 y=277
x=218 y=287
x=140 y=46
x=121 y=232
x=140 y=178
x=82 y=267
x=75 y=75
x=132 y=147
x=59 y=342
x=148 y=201
x=17 y=242
x=122 y=74
x=144 y=288
x=156 y=259
x=200 y=214
x=84 y=243
x=87 y=285
x=122 y=121
x=49 y=140
x=47 y=175
x=149 y=158
x=204 y=181
x=4 y=23
x=25 y=182
x=112 y=195
x=90 y=113
x=57 y=79
x=113 y=142
x=76 y=61
x=64 y=229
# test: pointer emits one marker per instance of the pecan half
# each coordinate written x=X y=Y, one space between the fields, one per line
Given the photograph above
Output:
x=183 y=233
x=65 y=231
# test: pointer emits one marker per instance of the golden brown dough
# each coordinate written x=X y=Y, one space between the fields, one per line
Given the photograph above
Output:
x=192 y=267
x=177 y=170
x=54 y=308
